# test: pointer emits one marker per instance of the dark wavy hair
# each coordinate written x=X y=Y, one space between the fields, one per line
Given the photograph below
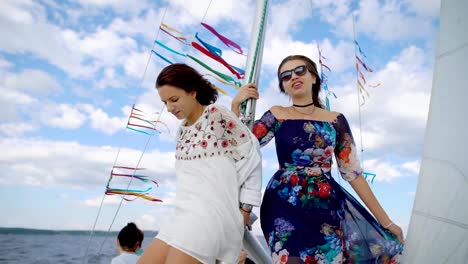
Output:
x=312 y=67
x=130 y=237
x=188 y=79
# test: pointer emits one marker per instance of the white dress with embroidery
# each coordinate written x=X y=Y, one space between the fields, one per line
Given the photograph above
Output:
x=218 y=165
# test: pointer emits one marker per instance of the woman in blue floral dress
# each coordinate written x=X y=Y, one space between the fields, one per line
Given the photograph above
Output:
x=306 y=216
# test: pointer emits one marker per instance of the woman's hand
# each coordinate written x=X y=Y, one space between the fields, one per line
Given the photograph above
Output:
x=246 y=217
x=242 y=257
x=247 y=91
x=397 y=231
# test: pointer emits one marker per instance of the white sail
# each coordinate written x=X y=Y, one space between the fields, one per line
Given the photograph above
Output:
x=438 y=230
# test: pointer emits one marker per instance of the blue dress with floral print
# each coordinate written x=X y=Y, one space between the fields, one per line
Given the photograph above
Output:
x=306 y=216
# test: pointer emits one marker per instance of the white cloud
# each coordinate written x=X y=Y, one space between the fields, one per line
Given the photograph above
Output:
x=412 y=166
x=13 y=102
x=136 y=63
x=30 y=81
x=4 y=64
x=192 y=12
x=389 y=21
x=339 y=57
x=147 y=220
x=385 y=171
x=155 y=218
x=107 y=47
x=425 y=7
x=63 y=116
x=102 y=122
x=16 y=11
x=285 y=16
x=386 y=20
x=108 y=200
x=11 y=97
x=22 y=90
x=168 y=198
x=40 y=163
x=276 y=49
x=79 y=54
x=109 y=79
x=25 y=23
x=332 y=11
x=144 y=25
x=388 y=170
x=16 y=129
x=121 y=7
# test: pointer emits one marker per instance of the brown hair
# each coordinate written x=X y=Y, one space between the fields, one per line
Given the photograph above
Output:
x=188 y=79
x=312 y=67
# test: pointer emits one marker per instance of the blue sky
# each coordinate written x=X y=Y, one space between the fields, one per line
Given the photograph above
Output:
x=71 y=71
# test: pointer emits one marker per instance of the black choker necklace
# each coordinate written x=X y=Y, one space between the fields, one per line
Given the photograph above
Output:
x=306 y=105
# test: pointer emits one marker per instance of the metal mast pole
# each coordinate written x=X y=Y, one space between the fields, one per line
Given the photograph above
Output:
x=254 y=60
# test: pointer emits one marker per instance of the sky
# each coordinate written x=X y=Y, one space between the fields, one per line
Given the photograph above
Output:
x=70 y=72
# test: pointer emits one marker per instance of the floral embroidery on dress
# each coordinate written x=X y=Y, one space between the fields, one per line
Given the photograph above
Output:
x=214 y=133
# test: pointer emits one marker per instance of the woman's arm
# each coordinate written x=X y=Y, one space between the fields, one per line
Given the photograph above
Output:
x=350 y=169
x=363 y=190
x=244 y=149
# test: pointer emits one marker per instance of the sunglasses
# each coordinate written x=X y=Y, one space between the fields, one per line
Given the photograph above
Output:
x=287 y=75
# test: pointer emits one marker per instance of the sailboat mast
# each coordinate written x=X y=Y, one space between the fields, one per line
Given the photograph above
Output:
x=254 y=58
x=252 y=75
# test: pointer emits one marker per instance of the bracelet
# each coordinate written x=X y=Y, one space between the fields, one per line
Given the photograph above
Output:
x=246 y=207
x=242 y=209
x=389 y=225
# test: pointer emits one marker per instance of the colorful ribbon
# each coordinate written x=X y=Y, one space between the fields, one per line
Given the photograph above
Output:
x=363 y=64
x=231 y=44
x=360 y=50
x=131 y=192
x=138 y=120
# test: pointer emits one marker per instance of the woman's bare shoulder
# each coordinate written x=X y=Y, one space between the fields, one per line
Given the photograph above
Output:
x=280 y=112
x=331 y=116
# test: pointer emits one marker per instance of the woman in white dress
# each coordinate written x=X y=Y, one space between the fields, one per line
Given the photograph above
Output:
x=218 y=169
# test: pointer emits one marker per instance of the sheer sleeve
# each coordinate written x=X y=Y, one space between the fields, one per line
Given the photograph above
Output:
x=264 y=129
x=345 y=150
x=244 y=149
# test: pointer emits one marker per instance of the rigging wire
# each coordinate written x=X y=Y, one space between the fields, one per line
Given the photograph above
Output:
x=85 y=259
x=359 y=100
